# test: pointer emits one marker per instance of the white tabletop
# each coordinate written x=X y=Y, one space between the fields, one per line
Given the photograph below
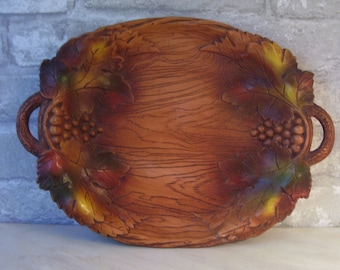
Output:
x=75 y=247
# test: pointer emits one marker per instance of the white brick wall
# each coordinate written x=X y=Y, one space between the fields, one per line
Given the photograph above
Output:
x=183 y=5
x=43 y=39
x=3 y=57
x=31 y=30
x=305 y=9
x=32 y=6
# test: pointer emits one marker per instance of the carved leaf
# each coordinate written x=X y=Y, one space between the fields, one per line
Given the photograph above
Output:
x=106 y=171
x=305 y=93
x=267 y=76
x=50 y=169
x=276 y=185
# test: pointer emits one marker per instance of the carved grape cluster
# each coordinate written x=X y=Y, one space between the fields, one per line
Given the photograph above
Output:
x=63 y=126
x=288 y=134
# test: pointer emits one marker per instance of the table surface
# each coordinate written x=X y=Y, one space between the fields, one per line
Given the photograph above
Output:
x=27 y=246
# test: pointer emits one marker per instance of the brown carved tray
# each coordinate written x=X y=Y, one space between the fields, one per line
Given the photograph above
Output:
x=175 y=132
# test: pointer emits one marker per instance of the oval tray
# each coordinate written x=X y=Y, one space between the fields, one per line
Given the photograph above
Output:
x=175 y=132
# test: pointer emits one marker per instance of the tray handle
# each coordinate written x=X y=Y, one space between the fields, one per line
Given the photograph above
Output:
x=324 y=149
x=31 y=144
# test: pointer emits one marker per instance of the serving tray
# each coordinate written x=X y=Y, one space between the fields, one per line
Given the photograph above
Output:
x=175 y=132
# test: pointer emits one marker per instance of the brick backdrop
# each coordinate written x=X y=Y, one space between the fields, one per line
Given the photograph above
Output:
x=32 y=30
